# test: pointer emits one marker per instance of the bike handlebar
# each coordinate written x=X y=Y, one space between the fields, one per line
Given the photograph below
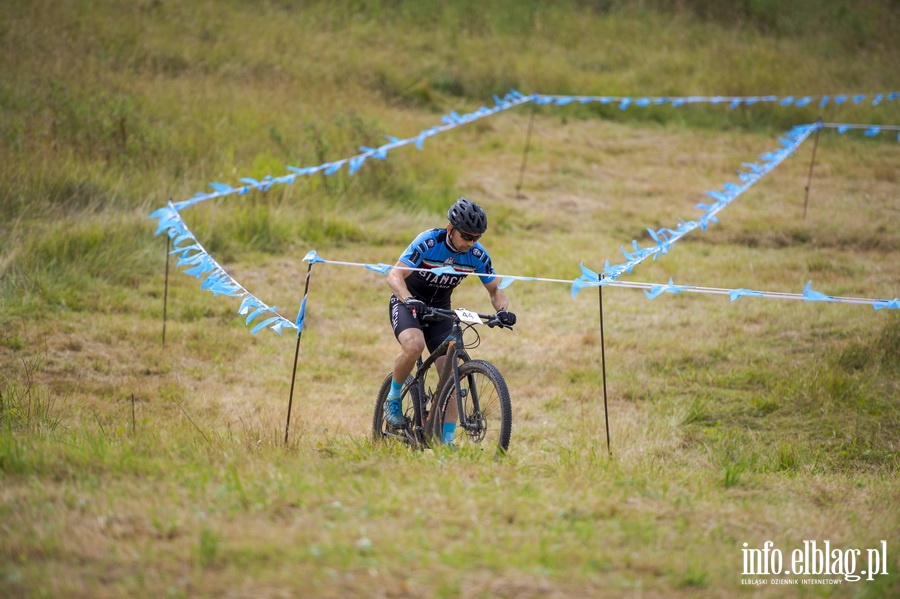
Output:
x=431 y=313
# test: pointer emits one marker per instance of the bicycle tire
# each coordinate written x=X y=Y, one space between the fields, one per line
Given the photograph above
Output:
x=481 y=378
x=380 y=430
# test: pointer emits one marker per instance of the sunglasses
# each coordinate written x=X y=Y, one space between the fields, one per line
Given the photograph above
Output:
x=468 y=236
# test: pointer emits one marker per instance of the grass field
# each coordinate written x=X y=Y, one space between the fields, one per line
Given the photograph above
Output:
x=129 y=468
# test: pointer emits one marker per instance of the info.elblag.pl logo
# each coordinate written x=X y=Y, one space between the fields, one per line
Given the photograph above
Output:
x=830 y=565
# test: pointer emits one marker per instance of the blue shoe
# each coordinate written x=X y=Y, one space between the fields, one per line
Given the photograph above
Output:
x=393 y=414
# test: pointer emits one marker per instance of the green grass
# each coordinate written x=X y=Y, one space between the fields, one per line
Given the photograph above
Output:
x=133 y=469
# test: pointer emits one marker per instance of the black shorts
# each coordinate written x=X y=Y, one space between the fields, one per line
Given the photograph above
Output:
x=401 y=319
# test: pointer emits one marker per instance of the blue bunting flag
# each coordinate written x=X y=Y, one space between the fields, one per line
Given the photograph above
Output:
x=657 y=290
x=891 y=304
x=738 y=293
x=811 y=295
x=381 y=268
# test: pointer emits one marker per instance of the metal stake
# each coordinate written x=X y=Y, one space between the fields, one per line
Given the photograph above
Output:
x=166 y=292
x=287 y=425
x=812 y=163
x=603 y=360
x=525 y=153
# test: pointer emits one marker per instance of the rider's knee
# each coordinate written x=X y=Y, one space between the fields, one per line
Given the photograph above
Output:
x=413 y=345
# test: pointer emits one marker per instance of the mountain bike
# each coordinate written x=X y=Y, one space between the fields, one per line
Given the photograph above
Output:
x=475 y=388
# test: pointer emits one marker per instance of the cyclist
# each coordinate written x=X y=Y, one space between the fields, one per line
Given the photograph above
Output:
x=455 y=246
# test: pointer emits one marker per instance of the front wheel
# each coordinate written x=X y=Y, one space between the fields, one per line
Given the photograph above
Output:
x=486 y=422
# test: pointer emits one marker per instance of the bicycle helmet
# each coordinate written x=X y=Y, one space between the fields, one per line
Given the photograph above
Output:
x=467 y=216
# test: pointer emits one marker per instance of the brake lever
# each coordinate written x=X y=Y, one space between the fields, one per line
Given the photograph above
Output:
x=495 y=322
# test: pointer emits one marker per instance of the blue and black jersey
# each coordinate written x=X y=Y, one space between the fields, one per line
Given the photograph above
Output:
x=430 y=250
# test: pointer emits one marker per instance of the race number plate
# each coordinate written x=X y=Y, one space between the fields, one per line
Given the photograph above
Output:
x=466 y=316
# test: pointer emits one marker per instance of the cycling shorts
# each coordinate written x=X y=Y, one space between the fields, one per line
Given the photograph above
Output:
x=401 y=319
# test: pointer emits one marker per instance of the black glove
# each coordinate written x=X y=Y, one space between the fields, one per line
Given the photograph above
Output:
x=414 y=306
x=506 y=318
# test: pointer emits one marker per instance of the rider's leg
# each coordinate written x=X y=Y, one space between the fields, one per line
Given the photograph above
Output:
x=412 y=344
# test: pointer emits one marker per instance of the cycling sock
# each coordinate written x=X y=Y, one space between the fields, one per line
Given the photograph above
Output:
x=449 y=432
x=396 y=388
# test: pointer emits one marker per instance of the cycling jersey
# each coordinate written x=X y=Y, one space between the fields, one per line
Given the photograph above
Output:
x=430 y=251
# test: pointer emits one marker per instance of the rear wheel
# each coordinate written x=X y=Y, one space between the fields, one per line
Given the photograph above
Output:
x=487 y=407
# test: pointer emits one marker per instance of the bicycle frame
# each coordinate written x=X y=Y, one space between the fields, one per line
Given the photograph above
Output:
x=450 y=347
x=453 y=348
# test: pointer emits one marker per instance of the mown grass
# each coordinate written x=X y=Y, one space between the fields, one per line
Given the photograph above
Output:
x=133 y=468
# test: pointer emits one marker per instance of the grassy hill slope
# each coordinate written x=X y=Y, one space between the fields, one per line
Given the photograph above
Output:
x=133 y=468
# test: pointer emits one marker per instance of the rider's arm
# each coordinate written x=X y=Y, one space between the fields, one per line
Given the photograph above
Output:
x=498 y=296
x=396 y=280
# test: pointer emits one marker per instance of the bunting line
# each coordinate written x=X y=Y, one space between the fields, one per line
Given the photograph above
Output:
x=354 y=163
x=219 y=282
x=202 y=266
x=753 y=172
x=874 y=129
x=512 y=100
x=733 y=102
x=590 y=278
x=870 y=130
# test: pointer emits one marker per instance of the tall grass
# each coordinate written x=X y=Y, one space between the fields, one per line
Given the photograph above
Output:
x=133 y=468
